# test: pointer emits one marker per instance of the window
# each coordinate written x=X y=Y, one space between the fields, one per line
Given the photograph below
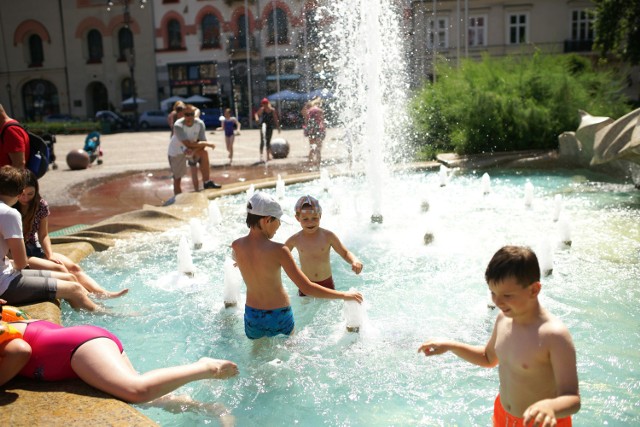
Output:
x=126 y=88
x=210 y=31
x=280 y=29
x=94 y=41
x=242 y=32
x=518 y=28
x=477 y=31
x=40 y=98
x=582 y=25
x=125 y=43
x=175 y=34
x=36 y=53
x=438 y=36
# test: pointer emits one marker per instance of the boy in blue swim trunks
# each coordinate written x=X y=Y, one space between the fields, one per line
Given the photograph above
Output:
x=268 y=312
x=314 y=245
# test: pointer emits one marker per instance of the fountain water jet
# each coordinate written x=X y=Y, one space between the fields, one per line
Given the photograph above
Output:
x=232 y=283
x=486 y=184
x=196 y=233
x=185 y=262
x=557 y=207
x=528 y=194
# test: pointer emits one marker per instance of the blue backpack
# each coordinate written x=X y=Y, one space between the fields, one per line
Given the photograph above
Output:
x=39 y=153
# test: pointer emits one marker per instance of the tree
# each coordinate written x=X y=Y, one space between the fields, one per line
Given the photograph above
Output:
x=618 y=28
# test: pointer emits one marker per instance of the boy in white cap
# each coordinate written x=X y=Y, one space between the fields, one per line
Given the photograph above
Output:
x=268 y=311
x=314 y=245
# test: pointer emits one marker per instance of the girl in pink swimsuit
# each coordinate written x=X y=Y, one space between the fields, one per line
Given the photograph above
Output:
x=51 y=352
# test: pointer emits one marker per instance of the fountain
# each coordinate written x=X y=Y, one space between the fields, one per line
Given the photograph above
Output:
x=232 y=283
x=528 y=194
x=557 y=207
x=413 y=290
x=215 y=217
x=564 y=231
x=197 y=232
x=185 y=261
x=486 y=184
x=280 y=188
x=444 y=175
x=353 y=314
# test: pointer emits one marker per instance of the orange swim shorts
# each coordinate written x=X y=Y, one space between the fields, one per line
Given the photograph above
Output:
x=502 y=418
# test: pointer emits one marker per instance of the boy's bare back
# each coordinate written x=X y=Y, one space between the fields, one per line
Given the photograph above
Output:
x=259 y=260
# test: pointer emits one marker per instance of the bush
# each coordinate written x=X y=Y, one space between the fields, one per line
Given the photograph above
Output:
x=62 y=128
x=512 y=103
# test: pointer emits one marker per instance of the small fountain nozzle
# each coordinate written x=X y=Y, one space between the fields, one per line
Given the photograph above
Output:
x=377 y=219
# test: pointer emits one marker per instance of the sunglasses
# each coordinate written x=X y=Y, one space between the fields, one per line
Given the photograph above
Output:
x=189 y=114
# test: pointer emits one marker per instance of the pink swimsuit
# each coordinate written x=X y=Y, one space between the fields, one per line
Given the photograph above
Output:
x=53 y=346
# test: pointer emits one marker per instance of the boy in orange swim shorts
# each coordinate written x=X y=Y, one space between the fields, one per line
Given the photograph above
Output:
x=314 y=245
x=534 y=350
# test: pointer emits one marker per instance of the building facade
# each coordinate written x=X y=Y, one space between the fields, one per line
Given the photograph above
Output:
x=81 y=56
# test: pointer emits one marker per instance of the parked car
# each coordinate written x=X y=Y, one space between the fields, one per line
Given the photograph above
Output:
x=153 y=119
x=115 y=120
x=211 y=117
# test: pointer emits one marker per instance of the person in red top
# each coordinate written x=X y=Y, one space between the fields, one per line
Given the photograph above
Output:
x=14 y=146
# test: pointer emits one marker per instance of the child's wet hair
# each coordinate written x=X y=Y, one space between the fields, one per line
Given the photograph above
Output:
x=519 y=262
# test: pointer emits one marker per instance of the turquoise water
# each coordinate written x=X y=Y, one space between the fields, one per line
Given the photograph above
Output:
x=326 y=376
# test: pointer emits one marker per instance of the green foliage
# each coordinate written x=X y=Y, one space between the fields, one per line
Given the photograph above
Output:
x=62 y=128
x=512 y=103
x=618 y=28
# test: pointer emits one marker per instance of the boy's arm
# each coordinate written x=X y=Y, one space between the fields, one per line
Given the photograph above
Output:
x=346 y=255
x=18 y=253
x=478 y=355
x=562 y=355
x=291 y=242
x=306 y=286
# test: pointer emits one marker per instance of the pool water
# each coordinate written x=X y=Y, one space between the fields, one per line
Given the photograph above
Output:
x=324 y=375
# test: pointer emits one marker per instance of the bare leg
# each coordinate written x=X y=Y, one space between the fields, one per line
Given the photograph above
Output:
x=76 y=295
x=72 y=272
x=99 y=363
x=14 y=355
x=177 y=188
x=205 y=166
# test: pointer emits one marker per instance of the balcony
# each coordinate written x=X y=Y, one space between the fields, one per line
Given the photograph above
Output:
x=578 y=46
x=238 y=45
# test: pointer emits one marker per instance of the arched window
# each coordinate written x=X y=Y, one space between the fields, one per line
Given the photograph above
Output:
x=36 y=53
x=281 y=27
x=312 y=28
x=125 y=43
x=242 y=32
x=40 y=98
x=210 y=31
x=94 y=42
x=175 y=34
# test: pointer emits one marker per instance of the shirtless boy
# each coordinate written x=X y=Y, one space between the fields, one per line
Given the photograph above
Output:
x=268 y=311
x=534 y=350
x=314 y=245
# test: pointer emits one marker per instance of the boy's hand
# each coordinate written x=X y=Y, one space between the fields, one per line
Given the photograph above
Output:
x=356 y=266
x=540 y=414
x=353 y=296
x=432 y=348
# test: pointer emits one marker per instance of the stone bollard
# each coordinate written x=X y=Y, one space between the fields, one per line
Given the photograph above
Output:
x=78 y=159
x=279 y=148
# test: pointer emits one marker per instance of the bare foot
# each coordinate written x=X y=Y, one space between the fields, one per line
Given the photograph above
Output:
x=109 y=294
x=220 y=369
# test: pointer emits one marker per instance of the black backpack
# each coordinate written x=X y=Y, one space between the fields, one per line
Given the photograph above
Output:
x=39 y=153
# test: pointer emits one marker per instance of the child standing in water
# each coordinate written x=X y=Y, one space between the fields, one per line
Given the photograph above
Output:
x=534 y=350
x=268 y=310
x=314 y=245
x=230 y=125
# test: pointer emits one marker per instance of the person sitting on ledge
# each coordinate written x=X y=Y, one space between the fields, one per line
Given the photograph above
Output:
x=50 y=352
x=18 y=284
x=35 y=226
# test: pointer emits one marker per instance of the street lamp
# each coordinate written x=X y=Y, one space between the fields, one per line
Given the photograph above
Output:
x=10 y=98
x=129 y=52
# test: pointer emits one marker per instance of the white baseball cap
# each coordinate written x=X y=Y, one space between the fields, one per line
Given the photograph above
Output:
x=262 y=204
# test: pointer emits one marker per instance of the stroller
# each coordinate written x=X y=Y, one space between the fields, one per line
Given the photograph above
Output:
x=50 y=139
x=92 y=147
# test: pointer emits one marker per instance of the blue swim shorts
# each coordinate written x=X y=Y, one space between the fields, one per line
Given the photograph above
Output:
x=267 y=323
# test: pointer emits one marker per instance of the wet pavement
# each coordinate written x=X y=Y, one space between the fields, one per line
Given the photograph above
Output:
x=135 y=172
